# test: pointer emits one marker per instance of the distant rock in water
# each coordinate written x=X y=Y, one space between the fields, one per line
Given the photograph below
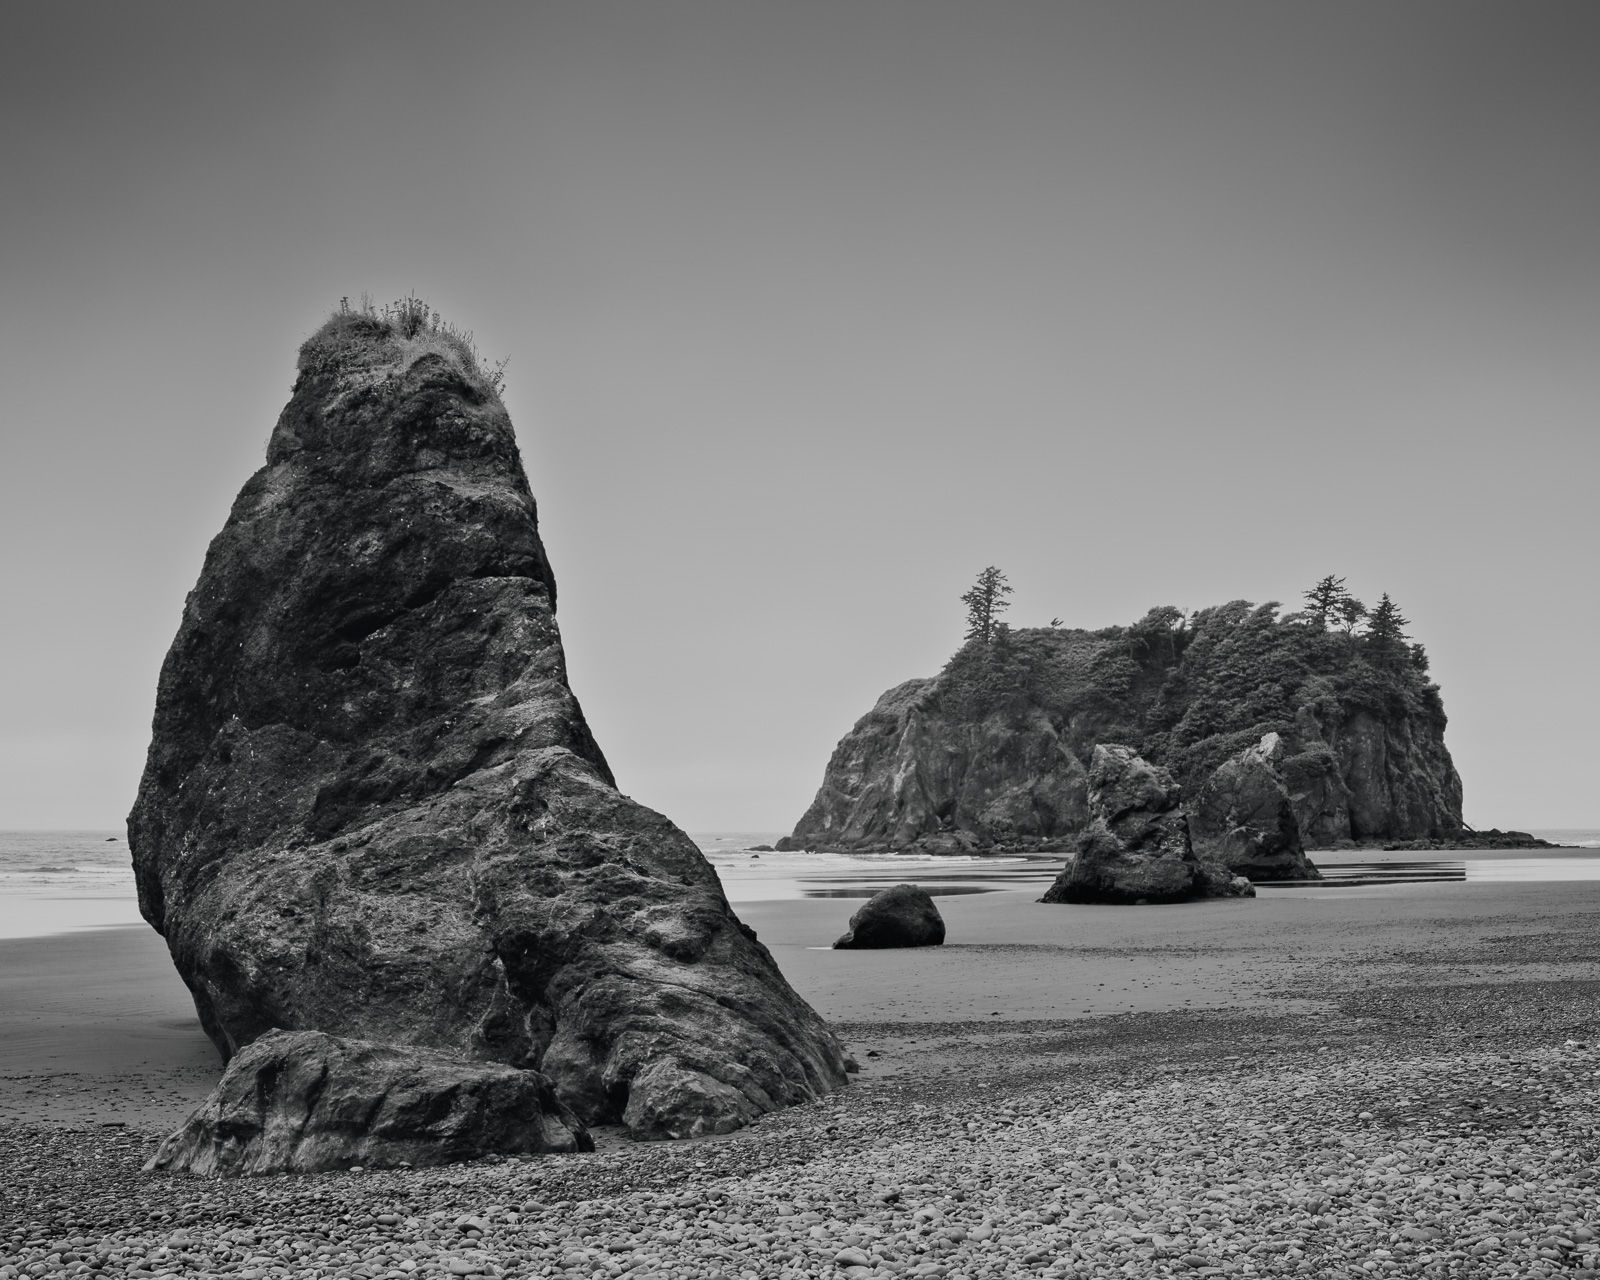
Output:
x=1137 y=848
x=901 y=916
x=372 y=806
x=1493 y=838
x=1244 y=819
x=302 y=1101
x=993 y=751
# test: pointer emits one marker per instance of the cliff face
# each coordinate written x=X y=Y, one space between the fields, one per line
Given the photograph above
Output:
x=993 y=750
x=910 y=775
x=1359 y=774
x=372 y=806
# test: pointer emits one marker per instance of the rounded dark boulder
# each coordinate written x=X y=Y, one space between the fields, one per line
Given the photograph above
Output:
x=903 y=916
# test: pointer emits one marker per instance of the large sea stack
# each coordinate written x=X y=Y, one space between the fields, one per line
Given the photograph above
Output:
x=372 y=807
x=994 y=751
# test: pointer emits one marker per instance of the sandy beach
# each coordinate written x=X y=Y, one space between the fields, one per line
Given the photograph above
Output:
x=96 y=1026
x=999 y=1076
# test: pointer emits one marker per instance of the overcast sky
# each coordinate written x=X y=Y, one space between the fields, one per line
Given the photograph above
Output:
x=813 y=310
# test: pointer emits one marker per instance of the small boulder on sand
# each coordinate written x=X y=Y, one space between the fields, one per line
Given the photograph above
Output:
x=903 y=916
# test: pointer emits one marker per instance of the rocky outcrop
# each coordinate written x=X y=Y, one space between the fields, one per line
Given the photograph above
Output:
x=901 y=916
x=1242 y=817
x=302 y=1101
x=1493 y=838
x=991 y=753
x=372 y=806
x=1137 y=848
x=1360 y=775
x=912 y=775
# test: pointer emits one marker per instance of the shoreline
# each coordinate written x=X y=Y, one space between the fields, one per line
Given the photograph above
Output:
x=1066 y=848
x=1295 y=1085
x=105 y=1007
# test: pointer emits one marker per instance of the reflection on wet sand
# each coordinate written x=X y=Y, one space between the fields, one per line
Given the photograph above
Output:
x=775 y=877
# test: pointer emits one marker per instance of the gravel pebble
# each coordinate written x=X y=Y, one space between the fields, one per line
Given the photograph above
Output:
x=1408 y=1128
x=1285 y=1168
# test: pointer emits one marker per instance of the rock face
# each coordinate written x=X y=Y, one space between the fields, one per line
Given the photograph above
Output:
x=992 y=752
x=1137 y=849
x=1359 y=774
x=901 y=916
x=302 y=1101
x=372 y=806
x=1243 y=817
x=911 y=775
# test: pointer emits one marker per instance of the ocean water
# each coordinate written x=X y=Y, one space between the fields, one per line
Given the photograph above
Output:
x=59 y=881
x=1583 y=837
x=56 y=881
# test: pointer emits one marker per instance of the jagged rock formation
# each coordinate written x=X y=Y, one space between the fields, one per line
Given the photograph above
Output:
x=901 y=916
x=909 y=776
x=372 y=806
x=1137 y=848
x=1243 y=817
x=991 y=753
x=302 y=1101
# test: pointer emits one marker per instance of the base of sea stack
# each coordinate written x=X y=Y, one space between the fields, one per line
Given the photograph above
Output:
x=1144 y=885
x=303 y=1101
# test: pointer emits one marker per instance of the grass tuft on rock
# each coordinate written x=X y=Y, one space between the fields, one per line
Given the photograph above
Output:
x=367 y=343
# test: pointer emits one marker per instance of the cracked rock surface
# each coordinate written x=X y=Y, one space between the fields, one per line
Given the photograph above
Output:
x=1137 y=848
x=1243 y=817
x=300 y=1101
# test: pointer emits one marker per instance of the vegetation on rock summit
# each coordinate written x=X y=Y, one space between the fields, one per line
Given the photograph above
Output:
x=368 y=344
x=1189 y=690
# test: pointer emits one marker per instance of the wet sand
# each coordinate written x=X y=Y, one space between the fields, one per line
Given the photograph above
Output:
x=1009 y=956
x=96 y=1027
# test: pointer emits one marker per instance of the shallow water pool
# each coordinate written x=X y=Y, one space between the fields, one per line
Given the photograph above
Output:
x=776 y=876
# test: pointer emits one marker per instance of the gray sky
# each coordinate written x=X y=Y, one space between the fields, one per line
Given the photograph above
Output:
x=814 y=310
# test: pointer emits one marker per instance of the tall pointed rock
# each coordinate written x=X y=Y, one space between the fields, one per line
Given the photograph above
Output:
x=372 y=806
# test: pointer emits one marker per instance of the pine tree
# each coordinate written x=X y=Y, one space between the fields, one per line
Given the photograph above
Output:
x=1386 y=633
x=986 y=601
x=1324 y=601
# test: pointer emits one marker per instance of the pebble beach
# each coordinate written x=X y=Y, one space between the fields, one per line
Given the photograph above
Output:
x=1403 y=1093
